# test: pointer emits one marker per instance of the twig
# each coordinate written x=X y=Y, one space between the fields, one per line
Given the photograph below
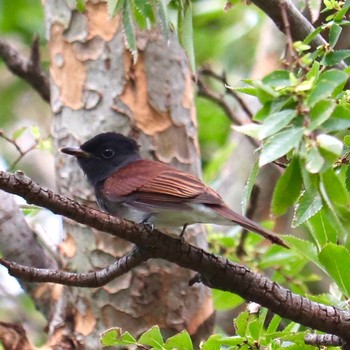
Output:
x=222 y=78
x=291 y=52
x=217 y=272
x=30 y=69
x=90 y=279
x=18 y=148
x=323 y=340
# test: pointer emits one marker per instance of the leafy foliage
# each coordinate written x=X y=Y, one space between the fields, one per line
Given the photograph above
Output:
x=303 y=121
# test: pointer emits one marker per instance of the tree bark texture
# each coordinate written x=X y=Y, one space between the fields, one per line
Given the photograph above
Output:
x=95 y=87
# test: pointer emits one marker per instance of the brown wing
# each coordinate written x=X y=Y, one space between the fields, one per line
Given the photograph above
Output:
x=150 y=177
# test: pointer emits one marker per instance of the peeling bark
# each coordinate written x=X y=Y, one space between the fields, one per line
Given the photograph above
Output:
x=95 y=88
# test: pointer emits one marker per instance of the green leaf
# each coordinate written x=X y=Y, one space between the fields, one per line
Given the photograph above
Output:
x=280 y=144
x=218 y=342
x=314 y=8
x=330 y=82
x=145 y=9
x=275 y=122
x=336 y=261
x=314 y=161
x=333 y=58
x=153 y=337
x=308 y=205
x=274 y=323
x=290 y=182
x=347 y=178
x=248 y=129
x=278 y=79
x=322 y=228
x=35 y=131
x=114 y=6
x=129 y=29
x=335 y=189
x=162 y=18
x=330 y=144
x=181 y=341
x=312 y=35
x=114 y=336
x=305 y=248
x=320 y=112
x=225 y=300
x=18 y=133
x=185 y=30
x=336 y=124
x=241 y=323
x=249 y=187
x=334 y=34
x=256 y=327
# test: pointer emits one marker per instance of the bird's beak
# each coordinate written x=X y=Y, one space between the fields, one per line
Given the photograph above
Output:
x=76 y=152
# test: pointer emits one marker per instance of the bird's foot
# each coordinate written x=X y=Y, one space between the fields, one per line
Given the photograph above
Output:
x=182 y=233
x=147 y=226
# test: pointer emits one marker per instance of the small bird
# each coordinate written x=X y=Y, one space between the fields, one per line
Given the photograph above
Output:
x=150 y=192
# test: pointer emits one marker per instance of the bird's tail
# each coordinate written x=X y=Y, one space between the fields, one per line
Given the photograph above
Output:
x=249 y=224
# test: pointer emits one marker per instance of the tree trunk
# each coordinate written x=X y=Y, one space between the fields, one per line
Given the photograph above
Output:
x=95 y=87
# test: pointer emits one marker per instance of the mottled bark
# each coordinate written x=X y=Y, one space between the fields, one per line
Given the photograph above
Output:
x=95 y=88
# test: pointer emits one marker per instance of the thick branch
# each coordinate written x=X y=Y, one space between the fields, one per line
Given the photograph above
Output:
x=29 y=70
x=299 y=26
x=216 y=272
x=89 y=279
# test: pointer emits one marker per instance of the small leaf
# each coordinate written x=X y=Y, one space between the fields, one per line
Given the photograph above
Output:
x=35 y=131
x=320 y=112
x=249 y=187
x=278 y=79
x=314 y=8
x=334 y=34
x=335 y=189
x=225 y=300
x=274 y=323
x=181 y=341
x=333 y=58
x=256 y=327
x=308 y=205
x=114 y=336
x=280 y=144
x=305 y=248
x=114 y=6
x=322 y=228
x=241 y=323
x=161 y=9
x=275 y=122
x=290 y=182
x=330 y=144
x=18 y=133
x=336 y=261
x=314 y=161
x=185 y=30
x=330 y=82
x=129 y=29
x=153 y=337
x=336 y=124
x=248 y=129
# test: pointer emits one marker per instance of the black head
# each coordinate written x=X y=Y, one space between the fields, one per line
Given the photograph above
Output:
x=100 y=156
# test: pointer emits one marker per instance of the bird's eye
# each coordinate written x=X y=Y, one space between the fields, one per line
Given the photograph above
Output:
x=107 y=153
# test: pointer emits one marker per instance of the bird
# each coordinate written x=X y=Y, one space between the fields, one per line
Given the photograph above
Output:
x=150 y=192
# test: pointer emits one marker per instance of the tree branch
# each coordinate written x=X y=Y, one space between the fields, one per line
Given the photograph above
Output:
x=30 y=69
x=215 y=271
x=90 y=279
